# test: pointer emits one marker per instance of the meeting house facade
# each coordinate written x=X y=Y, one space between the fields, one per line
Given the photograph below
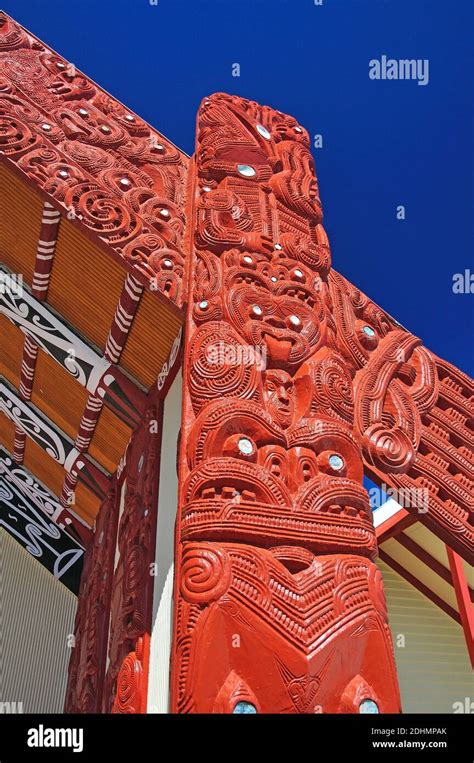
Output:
x=192 y=403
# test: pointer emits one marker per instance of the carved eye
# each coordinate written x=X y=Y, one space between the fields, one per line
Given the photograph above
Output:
x=368 y=706
x=331 y=462
x=256 y=311
x=298 y=275
x=245 y=446
x=367 y=335
x=246 y=170
x=244 y=707
x=240 y=446
x=294 y=323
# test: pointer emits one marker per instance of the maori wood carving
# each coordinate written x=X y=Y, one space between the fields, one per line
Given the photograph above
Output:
x=108 y=670
x=109 y=170
x=414 y=416
x=132 y=597
x=279 y=606
x=295 y=384
x=91 y=627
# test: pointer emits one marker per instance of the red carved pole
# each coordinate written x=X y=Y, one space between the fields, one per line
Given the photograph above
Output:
x=279 y=606
x=126 y=679
x=89 y=652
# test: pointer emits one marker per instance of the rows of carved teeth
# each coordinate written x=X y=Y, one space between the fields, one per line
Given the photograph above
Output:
x=287 y=522
x=230 y=493
x=303 y=295
x=226 y=493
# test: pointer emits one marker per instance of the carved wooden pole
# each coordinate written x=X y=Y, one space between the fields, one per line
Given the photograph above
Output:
x=279 y=606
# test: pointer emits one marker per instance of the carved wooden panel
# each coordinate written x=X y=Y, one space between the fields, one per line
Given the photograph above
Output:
x=294 y=384
x=109 y=170
x=126 y=680
x=89 y=649
x=414 y=416
x=278 y=604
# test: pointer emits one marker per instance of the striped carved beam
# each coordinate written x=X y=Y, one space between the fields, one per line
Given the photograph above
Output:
x=100 y=377
x=123 y=319
x=53 y=440
x=42 y=274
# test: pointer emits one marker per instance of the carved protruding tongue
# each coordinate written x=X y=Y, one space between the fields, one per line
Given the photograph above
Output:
x=278 y=349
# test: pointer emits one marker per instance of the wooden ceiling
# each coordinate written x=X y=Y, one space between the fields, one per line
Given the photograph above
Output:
x=84 y=289
x=20 y=223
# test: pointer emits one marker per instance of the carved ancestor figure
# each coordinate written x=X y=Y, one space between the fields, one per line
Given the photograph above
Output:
x=293 y=381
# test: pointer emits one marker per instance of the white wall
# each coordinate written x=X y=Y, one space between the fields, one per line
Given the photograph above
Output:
x=36 y=617
x=434 y=671
x=160 y=647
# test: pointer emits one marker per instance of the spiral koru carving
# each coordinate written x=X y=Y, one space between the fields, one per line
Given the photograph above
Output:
x=129 y=686
x=205 y=573
x=388 y=448
x=103 y=213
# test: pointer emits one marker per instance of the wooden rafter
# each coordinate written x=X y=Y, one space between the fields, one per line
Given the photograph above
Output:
x=99 y=375
x=421 y=587
x=48 y=235
x=466 y=611
x=53 y=441
x=426 y=558
x=119 y=330
x=394 y=525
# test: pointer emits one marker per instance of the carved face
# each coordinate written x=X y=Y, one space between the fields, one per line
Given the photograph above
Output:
x=278 y=396
x=287 y=327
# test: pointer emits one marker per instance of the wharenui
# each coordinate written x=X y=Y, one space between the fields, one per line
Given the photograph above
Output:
x=195 y=407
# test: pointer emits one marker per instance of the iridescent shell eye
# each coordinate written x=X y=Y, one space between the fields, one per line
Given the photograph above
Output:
x=245 y=446
x=244 y=707
x=368 y=706
x=246 y=170
x=293 y=322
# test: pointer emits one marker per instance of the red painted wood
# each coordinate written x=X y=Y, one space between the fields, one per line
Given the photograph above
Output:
x=277 y=600
x=108 y=670
x=394 y=525
x=466 y=611
x=91 y=628
x=126 y=679
x=102 y=166
x=426 y=558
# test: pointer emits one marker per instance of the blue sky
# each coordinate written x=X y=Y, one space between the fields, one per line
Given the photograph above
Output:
x=385 y=143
